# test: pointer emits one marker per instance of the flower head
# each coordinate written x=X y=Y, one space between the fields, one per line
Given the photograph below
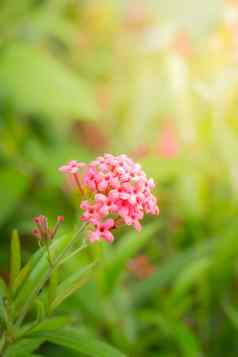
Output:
x=120 y=193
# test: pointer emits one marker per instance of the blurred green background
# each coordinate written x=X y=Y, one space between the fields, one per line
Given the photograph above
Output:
x=157 y=80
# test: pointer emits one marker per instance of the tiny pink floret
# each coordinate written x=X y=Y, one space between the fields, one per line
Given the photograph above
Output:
x=120 y=193
x=72 y=167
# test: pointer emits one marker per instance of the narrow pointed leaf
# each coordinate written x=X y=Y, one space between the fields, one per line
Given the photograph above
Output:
x=82 y=342
x=50 y=324
x=52 y=289
x=15 y=262
x=40 y=310
x=3 y=288
x=22 y=275
x=127 y=248
x=40 y=271
x=24 y=347
x=232 y=314
x=169 y=271
x=72 y=284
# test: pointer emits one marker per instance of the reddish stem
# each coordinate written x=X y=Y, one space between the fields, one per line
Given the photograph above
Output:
x=78 y=183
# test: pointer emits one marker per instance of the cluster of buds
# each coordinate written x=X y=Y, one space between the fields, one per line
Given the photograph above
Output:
x=116 y=191
x=42 y=231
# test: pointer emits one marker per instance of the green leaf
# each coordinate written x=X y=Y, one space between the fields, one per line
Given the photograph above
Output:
x=22 y=275
x=129 y=245
x=15 y=259
x=17 y=184
x=38 y=82
x=52 y=289
x=52 y=323
x=188 y=343
x=190 y=276
x=81 y=342
x=3 y=288
x=72 y=284
x=24 y=347
x=39 y=274
x=232 y=313
x=40 y=310
x=177 y=333
x=170 y=270
x=4 y=293
x=23 y=354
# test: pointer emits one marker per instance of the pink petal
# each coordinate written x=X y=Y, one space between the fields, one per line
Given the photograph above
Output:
x=108 y=236
x=109 y=224
x=94 y=236
x=137 y=226
x=100 y=197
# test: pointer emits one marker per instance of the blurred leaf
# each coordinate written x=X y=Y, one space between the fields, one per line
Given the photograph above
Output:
x=52 y=289
x=232 y=314
x=188 y=343
x=22 y=275
x=178 y=333
x=13 y=185
x=128 y=246
x=193 y=18
x=39 y=83
x=23 y=348
x=48 y=21
x=3 y=288
x=72 y=284
x=188 y=277
x=169 y=271
x=88 y=298
x=81 y=342
x=52 y=323
x=40 y=310
x=15 y=258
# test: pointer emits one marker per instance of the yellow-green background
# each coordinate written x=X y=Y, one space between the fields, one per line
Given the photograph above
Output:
x=79 y=78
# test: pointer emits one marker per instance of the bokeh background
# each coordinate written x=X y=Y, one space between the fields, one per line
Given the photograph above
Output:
x=157 y=80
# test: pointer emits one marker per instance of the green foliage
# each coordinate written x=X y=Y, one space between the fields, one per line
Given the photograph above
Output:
x=15 y=257
x=70 y=285
x=129 y=246
x=80 y=78
x=23 y=347
x=53 y=323
x=16 y=182
x=40 y=84
x=82 y=342
x=16 y=339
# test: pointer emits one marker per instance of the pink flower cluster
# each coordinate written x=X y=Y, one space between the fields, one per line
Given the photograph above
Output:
x=116 y=192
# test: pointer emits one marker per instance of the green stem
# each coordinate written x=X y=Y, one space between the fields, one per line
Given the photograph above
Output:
x=52 y=289
x=2 y=343
x=9 y=333
x=83 y=246
x=48 y=252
